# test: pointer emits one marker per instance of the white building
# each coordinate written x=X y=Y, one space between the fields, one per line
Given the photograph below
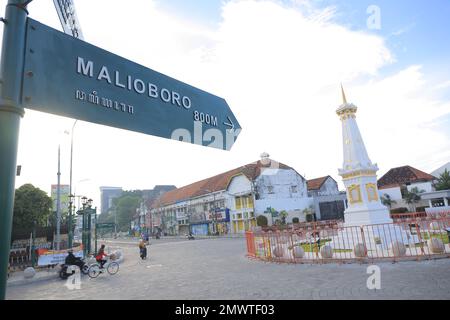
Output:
x=231 y=201
x=398 y=181
x=441 y=170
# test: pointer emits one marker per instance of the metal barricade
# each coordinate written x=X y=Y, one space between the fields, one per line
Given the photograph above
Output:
x=411 y=238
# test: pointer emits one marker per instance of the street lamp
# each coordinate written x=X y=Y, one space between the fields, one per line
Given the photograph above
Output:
x=70 y=187
x=58 y=202
x=69 y=224
x=86 y=212
x=84 y=201
x=82 y=212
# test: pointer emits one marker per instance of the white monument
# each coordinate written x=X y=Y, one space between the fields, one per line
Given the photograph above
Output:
x=359 y=174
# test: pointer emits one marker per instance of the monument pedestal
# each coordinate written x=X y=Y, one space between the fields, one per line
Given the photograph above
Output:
x=362 y=216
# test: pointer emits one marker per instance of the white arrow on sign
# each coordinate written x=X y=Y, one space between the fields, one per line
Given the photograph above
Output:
x=230 y=124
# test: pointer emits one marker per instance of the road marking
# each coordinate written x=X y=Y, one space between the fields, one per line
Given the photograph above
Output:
x=155 y=265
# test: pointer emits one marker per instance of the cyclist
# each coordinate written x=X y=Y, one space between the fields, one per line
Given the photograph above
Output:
x=100 y=254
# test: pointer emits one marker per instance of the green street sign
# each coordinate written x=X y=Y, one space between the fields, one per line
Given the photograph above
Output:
x=69 y=77
x=105 y=225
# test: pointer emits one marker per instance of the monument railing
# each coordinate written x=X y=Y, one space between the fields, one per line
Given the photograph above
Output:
x=406 y=239
x=408 y=215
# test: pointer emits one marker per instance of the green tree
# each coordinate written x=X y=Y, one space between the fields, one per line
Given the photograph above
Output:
x=31 y=204
x=412 y=198
x=283 y=216
x=387 y=200
x=443 y=182
x=125 y=207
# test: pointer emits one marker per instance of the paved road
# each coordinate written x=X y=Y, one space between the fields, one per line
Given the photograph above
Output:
x=217 y=269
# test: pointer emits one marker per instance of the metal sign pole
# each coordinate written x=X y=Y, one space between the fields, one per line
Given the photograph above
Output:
x=11 y=70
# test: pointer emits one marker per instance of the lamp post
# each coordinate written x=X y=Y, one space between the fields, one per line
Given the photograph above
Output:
x=70 y=187
x=58 y=202
x=89 y=212
x=86 y=213
x=69 y=224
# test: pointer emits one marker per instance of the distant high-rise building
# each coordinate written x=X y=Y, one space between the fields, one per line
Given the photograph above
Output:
x=107 y=195
x=64 y=197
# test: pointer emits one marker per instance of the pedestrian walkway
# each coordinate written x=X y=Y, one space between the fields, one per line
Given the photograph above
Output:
x=18 y=277
x=189 y=270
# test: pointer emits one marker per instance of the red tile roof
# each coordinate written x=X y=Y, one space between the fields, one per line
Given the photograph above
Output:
x=315 y=184
x=403 y=175
x=213 y=184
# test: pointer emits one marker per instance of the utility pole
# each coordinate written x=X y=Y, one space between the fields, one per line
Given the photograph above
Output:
x=58 y=202
x=11 y=110
x=69 y=225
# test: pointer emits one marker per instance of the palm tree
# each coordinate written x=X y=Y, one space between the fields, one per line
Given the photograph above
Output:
x=309 y=213
x=283 y=216
x=387 y=201
x=412 y=197
x=443 y=182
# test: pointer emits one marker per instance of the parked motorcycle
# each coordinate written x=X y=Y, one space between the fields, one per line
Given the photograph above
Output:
x=190 y=236
x=64 y=274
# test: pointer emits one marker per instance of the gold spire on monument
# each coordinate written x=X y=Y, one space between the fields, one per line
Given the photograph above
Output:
x=344 y=99
x=346 y=108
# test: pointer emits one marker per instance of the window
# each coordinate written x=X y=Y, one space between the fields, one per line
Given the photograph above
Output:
x=270 y=189
x=238 y=203
x=371 y=192
x=355 y=194
x=250 y=201
x=294 y=189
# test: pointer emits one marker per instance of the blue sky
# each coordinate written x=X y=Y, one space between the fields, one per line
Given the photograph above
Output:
x=404 y=110
x=416 y=31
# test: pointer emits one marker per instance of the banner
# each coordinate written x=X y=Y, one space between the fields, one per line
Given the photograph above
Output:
x=47 y=257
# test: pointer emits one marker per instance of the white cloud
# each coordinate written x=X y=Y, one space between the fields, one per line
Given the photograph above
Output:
x=278 y=67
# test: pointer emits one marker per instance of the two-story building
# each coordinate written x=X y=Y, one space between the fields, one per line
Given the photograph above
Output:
x=395 y=184
x=231 y=201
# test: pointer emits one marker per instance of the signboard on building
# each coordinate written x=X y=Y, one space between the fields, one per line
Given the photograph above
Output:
x=105 y=225
x=72 y=78
x=219 y=215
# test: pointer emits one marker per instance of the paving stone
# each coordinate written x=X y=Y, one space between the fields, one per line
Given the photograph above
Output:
x=218 y=269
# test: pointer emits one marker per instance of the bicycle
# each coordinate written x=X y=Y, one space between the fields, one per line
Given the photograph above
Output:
x=112 y=267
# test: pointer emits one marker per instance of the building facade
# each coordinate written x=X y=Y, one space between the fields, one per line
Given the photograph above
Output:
x=144 y=221
x=397 y=182
x=329 y=202
x=230 y=202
